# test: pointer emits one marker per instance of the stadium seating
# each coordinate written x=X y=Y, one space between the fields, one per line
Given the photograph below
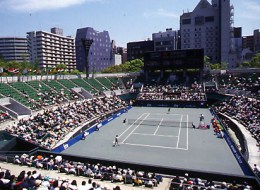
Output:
x=56 y=86
x=39 y=85
x=8 y=91
x=83 y=83
x=67 y=83
x=93 y=82
x=25 y=89
x=105 y=82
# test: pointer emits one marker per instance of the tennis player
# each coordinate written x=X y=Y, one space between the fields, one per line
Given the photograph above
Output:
x=124 y=121
x=116 y=140
x=169 y=110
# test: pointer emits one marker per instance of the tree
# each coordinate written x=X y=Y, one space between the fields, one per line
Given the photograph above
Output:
x=255 y=62
x=215 y=66
x=224 y=65
x=130 y=66
x=246 y=64
x=75 y=72
x=206 y=61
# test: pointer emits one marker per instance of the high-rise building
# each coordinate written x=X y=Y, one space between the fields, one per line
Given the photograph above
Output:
x=136 y=50
x=248 y=42
x=256 y=35
x=209 y=26
x=123 y=52
x=166 y=41
x=14 y=49
x=252 y=42
x=51 y=49
x=93 y=50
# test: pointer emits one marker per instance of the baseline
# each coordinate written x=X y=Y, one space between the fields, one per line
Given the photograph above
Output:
x=154 y=146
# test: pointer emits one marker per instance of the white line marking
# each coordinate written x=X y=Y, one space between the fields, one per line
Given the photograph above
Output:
x=155 y=119
x=135 y=128
x=179 y=133
x=154 y=146
x=187 y=133
x=158 y=126
x=153 y=135
x=132 y=124
x=164 y=114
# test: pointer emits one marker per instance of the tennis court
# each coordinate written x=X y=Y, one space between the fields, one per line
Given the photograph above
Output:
x=157 y=136
x=158 y=130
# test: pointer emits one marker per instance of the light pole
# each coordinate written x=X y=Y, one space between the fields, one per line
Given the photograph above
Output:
x=86 y=44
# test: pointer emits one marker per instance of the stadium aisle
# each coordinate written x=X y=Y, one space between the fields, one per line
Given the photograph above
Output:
x=16 y=169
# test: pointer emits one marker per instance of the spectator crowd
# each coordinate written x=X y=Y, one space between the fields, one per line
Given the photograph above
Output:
x=245 y=110
x=173 y=93
x=92 y=171
x=49 y=127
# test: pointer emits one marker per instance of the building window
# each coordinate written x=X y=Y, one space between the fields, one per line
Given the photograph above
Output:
x=199 y=20
x=186 y=21
x=209 y=19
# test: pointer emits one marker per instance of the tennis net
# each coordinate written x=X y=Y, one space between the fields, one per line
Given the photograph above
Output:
x=160 y=122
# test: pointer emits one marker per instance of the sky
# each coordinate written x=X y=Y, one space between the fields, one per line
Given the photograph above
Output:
x=125 y=20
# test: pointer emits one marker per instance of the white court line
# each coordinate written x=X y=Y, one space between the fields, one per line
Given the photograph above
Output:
x=153 y=135
x=187 y=133
x=132 y=124
x=158 y=126
x=153 y=146
x=165 y=114
x=179 y=133
x=135 y=128
x=160 y=118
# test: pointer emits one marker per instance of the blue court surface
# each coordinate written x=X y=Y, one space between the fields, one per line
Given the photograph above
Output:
x=159 y=136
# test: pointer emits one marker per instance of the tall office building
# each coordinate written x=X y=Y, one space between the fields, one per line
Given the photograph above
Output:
x=209 y=26
x=51 y=48
x=166 y=41
x=14 y=49
x=93 y=50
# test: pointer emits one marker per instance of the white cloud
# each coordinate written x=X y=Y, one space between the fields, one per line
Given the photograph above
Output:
x=250 y=10
x=160 y=13
x=36 y=5
x=252 y=6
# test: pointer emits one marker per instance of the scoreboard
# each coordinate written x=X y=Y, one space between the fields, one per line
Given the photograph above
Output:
x=179 y=59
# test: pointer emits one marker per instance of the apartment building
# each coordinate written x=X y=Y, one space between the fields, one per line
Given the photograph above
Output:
x=51 y=48
x=14 y=49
